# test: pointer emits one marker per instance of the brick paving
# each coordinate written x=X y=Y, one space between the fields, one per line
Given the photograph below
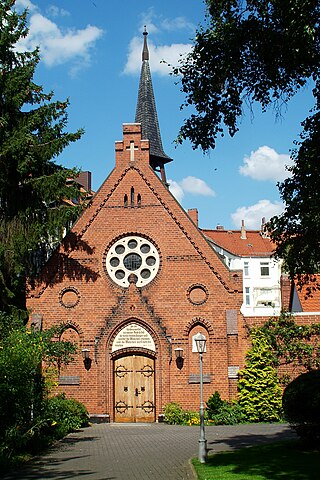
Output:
x=139 y=451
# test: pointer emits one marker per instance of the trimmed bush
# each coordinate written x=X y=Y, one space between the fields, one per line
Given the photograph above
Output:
x=301 y=405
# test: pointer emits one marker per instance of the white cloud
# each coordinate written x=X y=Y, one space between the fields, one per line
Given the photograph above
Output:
x=196 y=186
x=192 y=185
x=54 y=11
x=23 y=4
x=266 y=164
x=150 y=18
x=147 y=21
x=169 y=53
x=253 y=214
x=178 y=23
x=59 y=46
x=176 y=190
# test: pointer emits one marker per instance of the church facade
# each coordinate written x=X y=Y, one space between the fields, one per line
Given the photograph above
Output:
x=133 y=282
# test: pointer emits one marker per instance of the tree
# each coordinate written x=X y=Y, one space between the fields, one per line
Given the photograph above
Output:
x=33 y=187
x=259 y=390
x=293 y=345
x=261 y=52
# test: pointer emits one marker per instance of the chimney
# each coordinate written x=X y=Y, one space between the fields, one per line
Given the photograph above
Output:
x=243 y=235
x=193 y=214
x=84 y=179
x=220 y=227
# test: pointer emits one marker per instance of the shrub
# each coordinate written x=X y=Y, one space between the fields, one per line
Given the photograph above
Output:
x=214 y=405
x=301 y=405
x=174 y=414
x=229 y=414
x=65 y=414
x=221 y=412
x=191 y=418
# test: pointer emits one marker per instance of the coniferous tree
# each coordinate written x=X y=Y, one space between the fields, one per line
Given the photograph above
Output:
x=32 y=186
x=259 y=389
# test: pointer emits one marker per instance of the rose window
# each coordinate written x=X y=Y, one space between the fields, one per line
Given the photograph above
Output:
x=132 y=255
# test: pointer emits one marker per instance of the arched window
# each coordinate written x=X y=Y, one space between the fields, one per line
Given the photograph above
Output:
x=74 y=367
x=125 y=200
x=132 y=196
x=139 y=200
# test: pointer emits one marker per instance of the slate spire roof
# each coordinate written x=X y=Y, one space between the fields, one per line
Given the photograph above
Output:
x=146 y=113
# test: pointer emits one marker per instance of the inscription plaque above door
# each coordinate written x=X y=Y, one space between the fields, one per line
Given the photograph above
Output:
x=133 y=335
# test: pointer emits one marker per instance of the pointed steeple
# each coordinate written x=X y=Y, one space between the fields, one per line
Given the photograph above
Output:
x=146 y=114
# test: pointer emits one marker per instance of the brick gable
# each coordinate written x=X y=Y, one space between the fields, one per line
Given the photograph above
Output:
x=191 y=291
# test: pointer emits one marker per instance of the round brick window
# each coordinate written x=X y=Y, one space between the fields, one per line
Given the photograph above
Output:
x=129 y=255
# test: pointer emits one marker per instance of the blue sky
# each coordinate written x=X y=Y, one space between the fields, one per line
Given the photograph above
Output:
x=91 y=53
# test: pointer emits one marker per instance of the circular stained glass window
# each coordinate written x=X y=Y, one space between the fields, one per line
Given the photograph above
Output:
x=132 y=254
x=151 y=261
x=145 y=248
x=119 y=249
x=145 y=273
x=132 y=262
x=114 y=261
x=132 y=244
x=120 y=274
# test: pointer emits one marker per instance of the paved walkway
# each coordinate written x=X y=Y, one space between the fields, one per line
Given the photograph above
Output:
x=139 y=451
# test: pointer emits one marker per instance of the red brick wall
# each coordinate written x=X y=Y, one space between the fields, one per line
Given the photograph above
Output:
x=191 y=292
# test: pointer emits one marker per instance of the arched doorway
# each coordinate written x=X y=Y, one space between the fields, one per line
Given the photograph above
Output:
x=133 y=352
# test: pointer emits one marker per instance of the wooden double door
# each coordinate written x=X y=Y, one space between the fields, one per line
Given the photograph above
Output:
x=134 y=389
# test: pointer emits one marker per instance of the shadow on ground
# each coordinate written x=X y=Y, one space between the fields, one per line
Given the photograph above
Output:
x=235 y=442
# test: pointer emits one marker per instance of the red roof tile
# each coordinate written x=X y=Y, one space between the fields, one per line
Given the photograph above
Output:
x=255 y=245
x=309 y=303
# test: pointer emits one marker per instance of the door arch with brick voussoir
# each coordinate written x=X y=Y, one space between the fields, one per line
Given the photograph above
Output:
x=134 y=375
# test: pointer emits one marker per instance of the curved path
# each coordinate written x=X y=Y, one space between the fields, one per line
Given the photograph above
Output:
x=140 y=451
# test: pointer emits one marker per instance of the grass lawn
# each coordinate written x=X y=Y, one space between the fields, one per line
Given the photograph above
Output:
x=277 y=461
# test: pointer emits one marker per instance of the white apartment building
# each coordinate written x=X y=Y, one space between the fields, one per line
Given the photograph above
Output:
x=252 y=252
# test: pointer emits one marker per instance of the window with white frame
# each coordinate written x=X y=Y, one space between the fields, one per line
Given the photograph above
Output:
x=247 y=294
x=246 y=269
x=264 y=269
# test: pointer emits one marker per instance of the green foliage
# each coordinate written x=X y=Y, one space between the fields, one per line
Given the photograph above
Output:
x=214 y=404
x=292 y=344
x=259 y=390
x=301 y=405
x=218 y=412
x=66 y=415
x=23 y=389
x=261 y=51
x=174 y=414
x=254 y=53
x=221 y=412
x=32 y=186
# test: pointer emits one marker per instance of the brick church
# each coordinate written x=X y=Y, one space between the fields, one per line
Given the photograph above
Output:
x=133 y=282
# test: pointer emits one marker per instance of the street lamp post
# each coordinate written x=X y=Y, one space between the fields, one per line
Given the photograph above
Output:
x=201 y=345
